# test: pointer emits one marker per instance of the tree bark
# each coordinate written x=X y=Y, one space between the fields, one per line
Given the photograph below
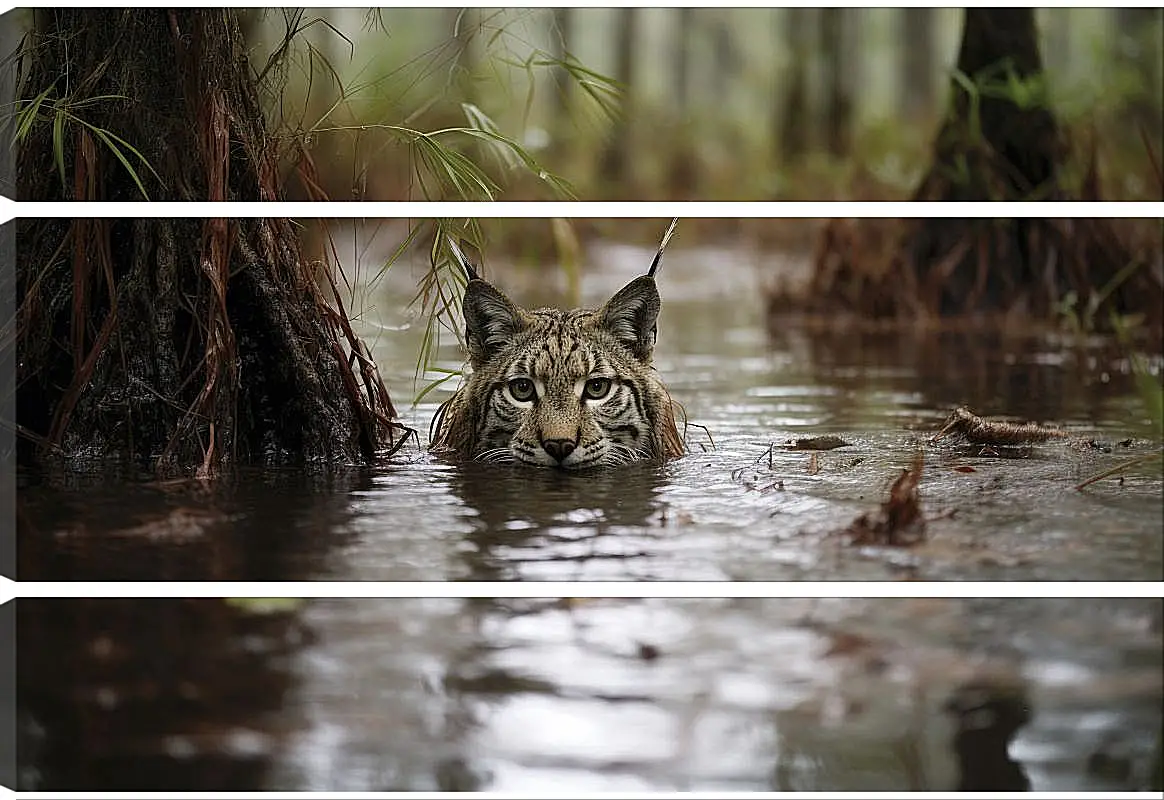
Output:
x=174 y=344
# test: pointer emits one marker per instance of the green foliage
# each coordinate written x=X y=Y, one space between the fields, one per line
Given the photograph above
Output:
x=1081 y=321
x=387 y=101
x=1082 y=318
x=61 y=113
x=438 y=296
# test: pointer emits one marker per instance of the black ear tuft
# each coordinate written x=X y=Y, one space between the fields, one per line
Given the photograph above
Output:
x=491 y=321
x=631 y=316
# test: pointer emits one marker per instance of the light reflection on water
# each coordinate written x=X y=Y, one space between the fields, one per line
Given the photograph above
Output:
x=515 y=694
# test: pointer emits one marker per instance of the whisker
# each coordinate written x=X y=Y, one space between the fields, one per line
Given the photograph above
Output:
x=497 y=455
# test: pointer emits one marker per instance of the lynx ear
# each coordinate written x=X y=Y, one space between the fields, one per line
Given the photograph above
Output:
x=491 y=321
x=631 y=315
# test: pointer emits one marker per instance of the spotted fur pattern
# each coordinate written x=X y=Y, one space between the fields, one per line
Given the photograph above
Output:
x=567 y=389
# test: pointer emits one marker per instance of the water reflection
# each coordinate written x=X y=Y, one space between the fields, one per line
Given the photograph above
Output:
x=987 y=717
x=149 y=695
x=623 y=695
x=528 y=515
x=1026 y=375
x=260 y=525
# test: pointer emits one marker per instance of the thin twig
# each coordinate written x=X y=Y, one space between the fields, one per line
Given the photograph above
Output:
x=1118 y=468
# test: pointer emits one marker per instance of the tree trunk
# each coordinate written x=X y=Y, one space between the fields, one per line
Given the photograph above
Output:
x=682 y=172
x=681 y=61
x=726 y=61
x=838 y=61
x=1011 y=151
x=916 y=84
x=175 y=344
x=793 y=137
x=616 y=166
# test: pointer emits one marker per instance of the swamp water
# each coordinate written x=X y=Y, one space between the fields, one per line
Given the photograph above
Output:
x=739 y=506
x=560 y=695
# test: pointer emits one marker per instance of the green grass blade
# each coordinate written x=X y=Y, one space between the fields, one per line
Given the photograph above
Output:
x=59 y=146
x=112 y=140
x=104 y=137
x=433 y=385
x=27 y=116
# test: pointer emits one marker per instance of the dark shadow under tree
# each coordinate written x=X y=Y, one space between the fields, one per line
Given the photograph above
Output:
x=177 y=344
x=1000 y=141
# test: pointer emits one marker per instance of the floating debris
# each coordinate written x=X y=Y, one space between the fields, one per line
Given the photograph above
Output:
x=1118 y=469
x=899 y=521
x=648 y=652
x=969 y=426
x=817 y=443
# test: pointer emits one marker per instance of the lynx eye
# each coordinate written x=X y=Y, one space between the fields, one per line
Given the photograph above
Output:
x=522 y=390
x=596 y=388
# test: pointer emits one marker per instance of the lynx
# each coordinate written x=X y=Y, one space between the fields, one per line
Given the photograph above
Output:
x=565 y=389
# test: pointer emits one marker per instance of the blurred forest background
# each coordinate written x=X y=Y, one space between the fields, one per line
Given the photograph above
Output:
x=683 y=103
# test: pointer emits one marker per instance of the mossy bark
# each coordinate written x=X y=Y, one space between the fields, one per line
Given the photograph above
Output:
x=179 y=344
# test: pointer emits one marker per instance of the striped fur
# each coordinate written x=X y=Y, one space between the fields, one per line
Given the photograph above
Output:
x=568 y=389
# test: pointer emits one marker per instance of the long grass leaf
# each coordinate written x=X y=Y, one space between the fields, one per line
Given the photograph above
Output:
x=113 y=148
x=431 y=387
x=59 y=146
x=27 y=116
x=108 y=136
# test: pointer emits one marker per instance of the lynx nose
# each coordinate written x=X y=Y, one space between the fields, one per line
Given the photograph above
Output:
x=558 y=448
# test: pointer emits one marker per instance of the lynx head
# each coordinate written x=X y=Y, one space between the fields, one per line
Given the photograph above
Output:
x=567 y=389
